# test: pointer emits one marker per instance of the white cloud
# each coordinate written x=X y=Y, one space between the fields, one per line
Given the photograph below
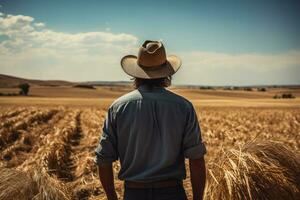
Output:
x=31 y=49
x=1 y=14
x=22 y=28
x=40 y=24
x=15 y=25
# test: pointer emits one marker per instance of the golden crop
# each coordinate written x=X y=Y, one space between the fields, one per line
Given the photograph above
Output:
x=47 y=152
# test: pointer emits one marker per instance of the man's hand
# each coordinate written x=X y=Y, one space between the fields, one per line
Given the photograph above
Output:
x=198 y=177
x=107 y=180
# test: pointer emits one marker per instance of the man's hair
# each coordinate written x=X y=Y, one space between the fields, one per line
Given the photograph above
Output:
x=158 y=82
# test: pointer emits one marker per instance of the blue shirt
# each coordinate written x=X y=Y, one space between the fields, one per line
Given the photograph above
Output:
x=151 y=131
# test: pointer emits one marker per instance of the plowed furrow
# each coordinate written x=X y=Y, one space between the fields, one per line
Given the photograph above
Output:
x=11 y=113
x=10 y=135
x=86 y=183
x=12 y=121
x=29 y=142
x=54 y=157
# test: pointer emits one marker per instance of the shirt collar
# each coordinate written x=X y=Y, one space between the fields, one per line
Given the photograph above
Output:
x=146 y=88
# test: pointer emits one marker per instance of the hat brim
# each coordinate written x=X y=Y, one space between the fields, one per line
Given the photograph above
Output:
x=130 y=67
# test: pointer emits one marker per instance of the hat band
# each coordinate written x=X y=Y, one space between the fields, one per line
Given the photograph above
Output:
x=152 y=68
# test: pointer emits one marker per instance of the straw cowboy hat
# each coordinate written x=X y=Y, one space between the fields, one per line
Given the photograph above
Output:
x=151 y=62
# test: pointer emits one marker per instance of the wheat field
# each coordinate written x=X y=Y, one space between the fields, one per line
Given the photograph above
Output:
x=46 y=152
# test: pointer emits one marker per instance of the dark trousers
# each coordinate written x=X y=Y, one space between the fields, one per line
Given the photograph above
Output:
x=165 y=193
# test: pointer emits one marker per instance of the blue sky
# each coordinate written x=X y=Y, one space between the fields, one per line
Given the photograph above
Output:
x=220 y=42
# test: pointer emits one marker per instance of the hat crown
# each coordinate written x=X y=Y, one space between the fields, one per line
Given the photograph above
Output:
x=151 y=54
x=151 y=62
x=152 y=46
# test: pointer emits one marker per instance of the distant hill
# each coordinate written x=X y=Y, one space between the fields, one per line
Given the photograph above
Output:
x=7 y=81
x=108 y=83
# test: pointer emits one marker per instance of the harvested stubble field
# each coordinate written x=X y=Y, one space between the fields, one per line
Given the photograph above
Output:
x=46 y=152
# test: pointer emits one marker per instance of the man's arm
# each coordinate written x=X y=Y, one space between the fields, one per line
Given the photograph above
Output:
x=198 y=177
x=106 y=175
x=106 y=153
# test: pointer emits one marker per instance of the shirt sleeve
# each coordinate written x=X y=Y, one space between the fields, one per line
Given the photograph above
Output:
x=106 y=152
x=193 y=147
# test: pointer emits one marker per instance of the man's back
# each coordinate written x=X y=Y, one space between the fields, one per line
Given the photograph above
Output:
x=151 y=131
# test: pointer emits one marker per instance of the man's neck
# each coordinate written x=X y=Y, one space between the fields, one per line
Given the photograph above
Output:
x=146 y=87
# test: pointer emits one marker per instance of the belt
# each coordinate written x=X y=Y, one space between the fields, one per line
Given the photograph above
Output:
x=156 y=184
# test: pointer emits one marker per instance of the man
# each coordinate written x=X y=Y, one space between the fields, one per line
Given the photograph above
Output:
x=151 y=131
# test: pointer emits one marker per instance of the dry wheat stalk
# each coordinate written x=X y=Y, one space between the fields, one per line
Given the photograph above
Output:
x=246 y=174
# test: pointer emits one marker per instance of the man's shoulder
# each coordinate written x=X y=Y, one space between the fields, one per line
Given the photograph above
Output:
x=131 y=96
x=167 y=95
x=179 y=99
